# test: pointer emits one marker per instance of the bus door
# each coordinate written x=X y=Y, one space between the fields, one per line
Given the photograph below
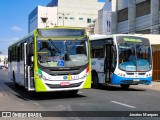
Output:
x=25 y=66
x=29 y=66
x=108 y=63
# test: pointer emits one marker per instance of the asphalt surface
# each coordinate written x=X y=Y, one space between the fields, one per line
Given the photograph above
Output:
x=108 y=99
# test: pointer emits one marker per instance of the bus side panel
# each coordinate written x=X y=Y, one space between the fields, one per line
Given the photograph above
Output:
x=98 y=66
x=18 y=73
x=10 y=73
x=15 y=74
x=22 y=72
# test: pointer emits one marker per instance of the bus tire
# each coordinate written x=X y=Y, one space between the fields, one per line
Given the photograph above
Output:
x=95 y=83
x=72 y=92
x=124 y=86
x=14 y=82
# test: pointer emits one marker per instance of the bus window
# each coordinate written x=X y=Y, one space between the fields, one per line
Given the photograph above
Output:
x=97 y=49
x=18 y=53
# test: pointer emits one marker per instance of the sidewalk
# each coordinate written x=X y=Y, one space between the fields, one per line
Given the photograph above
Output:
x=153 y=86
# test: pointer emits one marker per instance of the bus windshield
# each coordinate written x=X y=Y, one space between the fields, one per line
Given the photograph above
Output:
x=134 y=54
x=68 y=53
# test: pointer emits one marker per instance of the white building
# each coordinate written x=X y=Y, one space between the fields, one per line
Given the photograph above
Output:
x=77 y=13
x=42 y=17
x=3 y=60
x=132 y=16
x=103 y=24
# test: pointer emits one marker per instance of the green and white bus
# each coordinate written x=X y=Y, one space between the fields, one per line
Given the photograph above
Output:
x=51 y=59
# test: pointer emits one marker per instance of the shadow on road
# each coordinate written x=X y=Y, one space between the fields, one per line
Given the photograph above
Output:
x=118 y=88
x=25 y=95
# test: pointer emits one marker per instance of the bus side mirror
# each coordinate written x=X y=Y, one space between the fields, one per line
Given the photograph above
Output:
x=32 y=59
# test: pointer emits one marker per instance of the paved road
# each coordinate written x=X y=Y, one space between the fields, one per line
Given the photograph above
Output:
x=110 y=98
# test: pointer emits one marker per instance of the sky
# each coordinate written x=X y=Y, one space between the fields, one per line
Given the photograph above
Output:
x=14 y=19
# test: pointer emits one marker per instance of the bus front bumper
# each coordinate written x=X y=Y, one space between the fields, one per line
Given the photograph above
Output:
x=117 y=80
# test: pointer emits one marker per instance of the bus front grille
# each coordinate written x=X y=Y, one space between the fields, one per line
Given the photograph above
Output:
x=141 y=73
x=59 y=86
x=134 y=82
x=130 y=73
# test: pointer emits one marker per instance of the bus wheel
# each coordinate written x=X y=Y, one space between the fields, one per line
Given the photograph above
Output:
x=95 y=83
x=72 y=92
x=124 y=86
x=14 y=82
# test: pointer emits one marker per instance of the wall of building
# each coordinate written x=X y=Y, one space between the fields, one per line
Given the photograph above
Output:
x=142 y=16
x=36 y=16
x=3 y=60
x=50 y=13
x=103 y=22
x=122 y=4
x=32 y=20
x=77 y=13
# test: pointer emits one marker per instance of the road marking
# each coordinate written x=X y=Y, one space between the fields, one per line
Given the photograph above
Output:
x=80 y=92
x=123 y=104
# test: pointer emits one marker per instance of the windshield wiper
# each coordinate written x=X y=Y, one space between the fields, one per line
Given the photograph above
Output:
x=57 y=48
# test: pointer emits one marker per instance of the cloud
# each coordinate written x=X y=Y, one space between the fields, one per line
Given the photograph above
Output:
x=16 y=28
x=6 y=42
x=15 y=39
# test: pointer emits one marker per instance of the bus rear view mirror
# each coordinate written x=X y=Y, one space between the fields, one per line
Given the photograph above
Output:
x=32 y=59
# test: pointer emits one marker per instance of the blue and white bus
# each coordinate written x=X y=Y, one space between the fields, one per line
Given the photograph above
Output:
x=121 y=59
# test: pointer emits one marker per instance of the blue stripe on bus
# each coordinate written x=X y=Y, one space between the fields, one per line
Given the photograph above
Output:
x=122 y=80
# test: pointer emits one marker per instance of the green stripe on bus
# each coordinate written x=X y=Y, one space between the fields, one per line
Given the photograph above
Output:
x=40 y=71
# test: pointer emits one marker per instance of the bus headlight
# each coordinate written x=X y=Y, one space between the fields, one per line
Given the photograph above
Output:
x=121 y=74
x=42 y=77
x=149 y=75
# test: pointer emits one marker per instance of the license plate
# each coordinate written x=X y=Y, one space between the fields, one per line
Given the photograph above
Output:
x=136 y=80
x=65 y=83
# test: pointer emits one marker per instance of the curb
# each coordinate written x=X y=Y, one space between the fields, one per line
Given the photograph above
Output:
x=153 y=86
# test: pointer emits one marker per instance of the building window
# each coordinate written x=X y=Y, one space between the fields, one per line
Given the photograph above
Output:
x=44 y=20
x=80 y=18
x=159 y=5
x=72 y=18
x=66 y=18
x=143 y=8
x=122 y=15
x=89 y=20
x=60 y=17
